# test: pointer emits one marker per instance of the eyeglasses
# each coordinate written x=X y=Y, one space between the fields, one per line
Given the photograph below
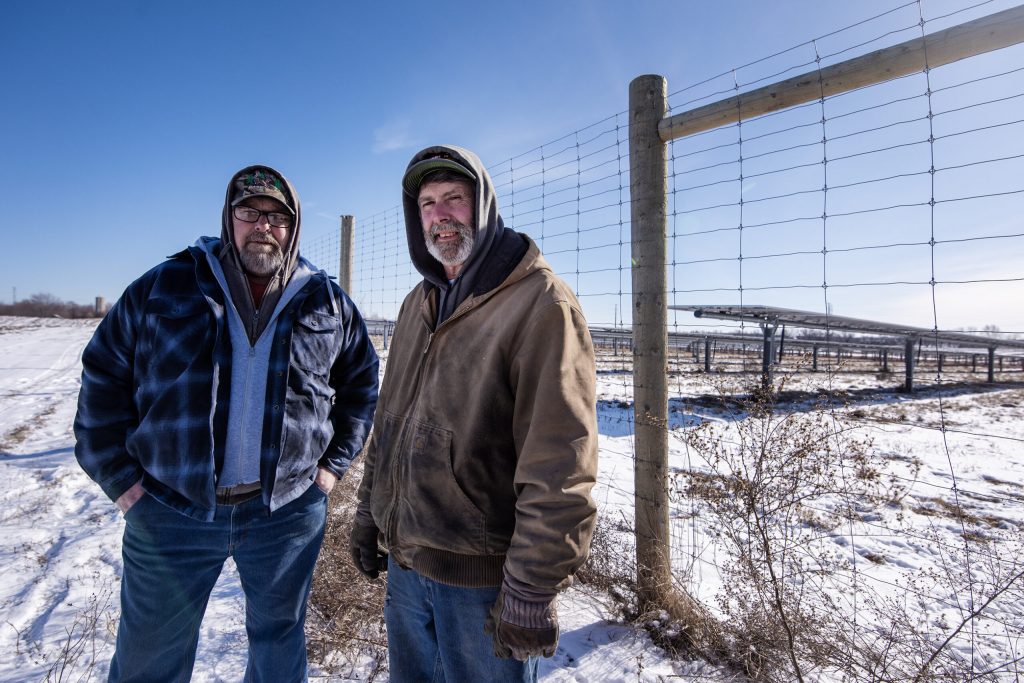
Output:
x=276 y=219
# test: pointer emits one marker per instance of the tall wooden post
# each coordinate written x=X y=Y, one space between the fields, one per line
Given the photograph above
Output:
x=648 y=180
x=346 y=257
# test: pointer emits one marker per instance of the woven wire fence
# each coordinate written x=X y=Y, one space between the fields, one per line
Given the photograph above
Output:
x=898 y=540
x=570 y=195
x=896 y=202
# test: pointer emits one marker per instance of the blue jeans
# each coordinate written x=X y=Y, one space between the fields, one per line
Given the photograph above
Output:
x=436 y=633
x=171 y=563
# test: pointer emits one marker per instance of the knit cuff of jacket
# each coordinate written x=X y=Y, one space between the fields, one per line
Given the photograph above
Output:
x=531 y=610
x=363 y=515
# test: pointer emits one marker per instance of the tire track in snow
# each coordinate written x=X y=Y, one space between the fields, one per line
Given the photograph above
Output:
x=40 y=374
x=54 y=524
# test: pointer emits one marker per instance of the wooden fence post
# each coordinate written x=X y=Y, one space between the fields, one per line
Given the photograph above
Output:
x=648 y=161
x=346 y=256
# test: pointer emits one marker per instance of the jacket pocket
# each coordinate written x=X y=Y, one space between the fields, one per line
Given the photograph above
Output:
x=316 y=339
x=177 y=331
x=436 y=512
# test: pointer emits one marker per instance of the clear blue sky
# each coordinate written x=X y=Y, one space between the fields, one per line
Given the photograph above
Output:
x=121 y=121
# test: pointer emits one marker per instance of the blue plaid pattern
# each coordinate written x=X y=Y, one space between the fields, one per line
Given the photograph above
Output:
x=155 y=389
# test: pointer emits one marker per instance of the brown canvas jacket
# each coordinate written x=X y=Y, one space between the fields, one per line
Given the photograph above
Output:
x=484 y=445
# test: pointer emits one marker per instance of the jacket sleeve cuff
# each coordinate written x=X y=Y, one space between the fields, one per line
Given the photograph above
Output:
x=116 y=488
x=331 y=466
x=363 y=516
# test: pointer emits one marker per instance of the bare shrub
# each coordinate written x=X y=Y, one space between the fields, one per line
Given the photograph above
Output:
x=345 y=627
x=682 y=627
x=930 y=633
x=775 y=487
x=775 y=482
x=76 y=658
x=610 y=570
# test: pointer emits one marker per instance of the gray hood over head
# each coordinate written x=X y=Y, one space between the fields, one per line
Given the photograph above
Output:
x=494 y=249
x=255 y=318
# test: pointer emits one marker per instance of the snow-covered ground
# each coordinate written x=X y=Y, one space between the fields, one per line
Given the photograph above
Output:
x=60 y=541
x=60 y=537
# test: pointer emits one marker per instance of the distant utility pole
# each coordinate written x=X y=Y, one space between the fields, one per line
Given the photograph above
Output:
x=14 y=295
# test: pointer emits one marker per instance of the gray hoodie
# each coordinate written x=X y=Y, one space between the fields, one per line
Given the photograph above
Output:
x=496 y=251
x=250 y=361
x=255 y=319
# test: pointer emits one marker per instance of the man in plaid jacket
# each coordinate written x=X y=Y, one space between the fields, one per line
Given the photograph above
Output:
x=222 y=397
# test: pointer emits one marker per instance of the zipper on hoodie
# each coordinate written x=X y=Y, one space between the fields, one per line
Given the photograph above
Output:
x=242 y=441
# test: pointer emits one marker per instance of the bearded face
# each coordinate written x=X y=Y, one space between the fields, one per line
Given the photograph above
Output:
x=448 y=217
x=260 y=245
x=261 y=255
x=450 y=242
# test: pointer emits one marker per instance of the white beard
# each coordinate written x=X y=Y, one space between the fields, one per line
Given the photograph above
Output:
x=456 y=253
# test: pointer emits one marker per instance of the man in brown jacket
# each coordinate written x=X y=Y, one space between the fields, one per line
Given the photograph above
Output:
x=484 y=448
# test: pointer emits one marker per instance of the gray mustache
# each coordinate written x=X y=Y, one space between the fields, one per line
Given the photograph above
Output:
x=447 y=225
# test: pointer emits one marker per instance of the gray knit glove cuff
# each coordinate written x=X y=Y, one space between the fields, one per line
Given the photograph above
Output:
x=522 y=628
x=528 y=613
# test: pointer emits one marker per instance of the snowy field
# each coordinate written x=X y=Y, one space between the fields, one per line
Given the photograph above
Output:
x=952 y=448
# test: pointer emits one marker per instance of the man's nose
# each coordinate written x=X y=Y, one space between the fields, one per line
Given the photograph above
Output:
x=263 y=223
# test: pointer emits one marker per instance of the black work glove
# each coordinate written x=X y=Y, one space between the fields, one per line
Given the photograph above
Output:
x=521 y=628
x=367 y=556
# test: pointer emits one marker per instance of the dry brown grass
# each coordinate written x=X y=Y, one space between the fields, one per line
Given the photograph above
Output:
x=21 y=432
x=678 y=624
x=345 y=626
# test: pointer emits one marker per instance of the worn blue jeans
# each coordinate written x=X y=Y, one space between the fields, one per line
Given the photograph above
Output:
x=436 y=633
x=171 y=563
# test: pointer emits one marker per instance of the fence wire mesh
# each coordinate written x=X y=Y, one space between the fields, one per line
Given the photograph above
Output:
x=895 y=202
x=875 y=533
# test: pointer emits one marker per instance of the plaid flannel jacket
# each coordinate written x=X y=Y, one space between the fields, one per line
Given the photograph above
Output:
x=155 y=389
